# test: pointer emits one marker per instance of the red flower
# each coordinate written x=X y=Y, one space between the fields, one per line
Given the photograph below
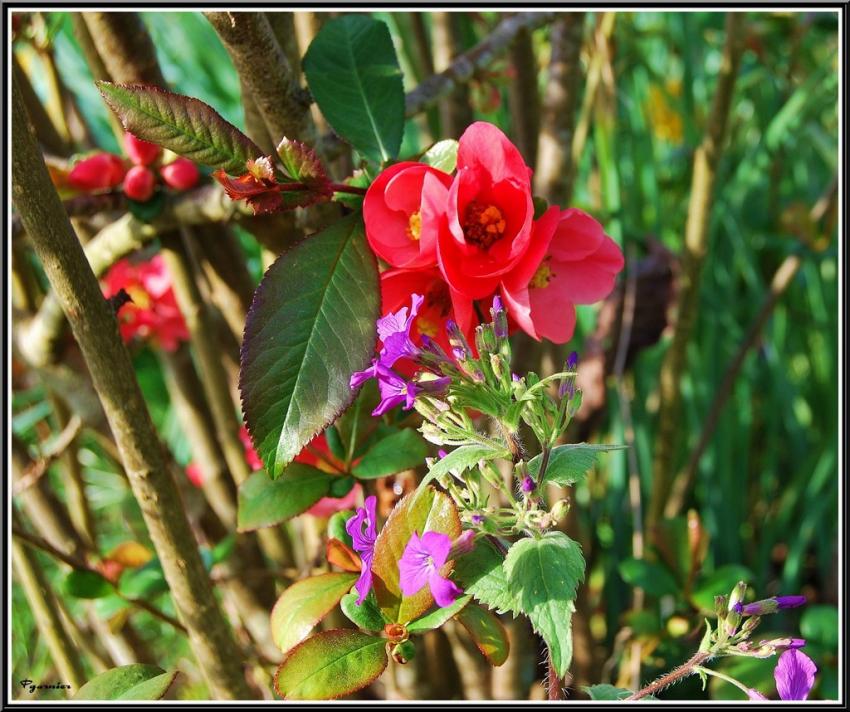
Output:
x=489 y=212
x=441 y=304
x=98 y=172
x=579 y=265
x=399 y=227
x=153 y=313
x=318 y=454
x=250 y=453
x=142 y=153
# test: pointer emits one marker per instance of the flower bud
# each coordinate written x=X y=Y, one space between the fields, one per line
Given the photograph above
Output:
x=485 y=339
x=770 y=605
x=500 y=318
x=721 y=605
x=98 y=172
x=142 y=153
x=139 y=184
x=180 y=174
x=498 y=366
x=463 y=544
x=560 y=509
x=750 y=625
x=737 y=595
x=527 y=485
x=404 y=652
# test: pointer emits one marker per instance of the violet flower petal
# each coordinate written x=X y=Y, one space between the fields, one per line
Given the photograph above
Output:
x=795 y=675
x=444 y=590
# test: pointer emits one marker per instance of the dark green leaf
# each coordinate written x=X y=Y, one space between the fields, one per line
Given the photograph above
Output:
x=150 y=209
x=147 y=581
x=340 y=486
x=331 y=664
x=543 y=575
x=487 y=632
x=353 y=74
x=310 y=326
x=569 y=463
x=654 y=578
x=481 y=574
x=264 y=502
x=86 y=584
x=402 y=450
x=180 y=123
x=304 y=604
x=438 y=616
x=128 y=682
x=366 y=615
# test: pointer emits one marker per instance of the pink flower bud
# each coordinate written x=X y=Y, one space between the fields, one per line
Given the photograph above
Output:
x=180 y=174
x=142 y=153
x=139 y=183
x=98 y=172
x=193 y=472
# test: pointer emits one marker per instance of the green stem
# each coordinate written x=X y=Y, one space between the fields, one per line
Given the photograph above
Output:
x=726 y=678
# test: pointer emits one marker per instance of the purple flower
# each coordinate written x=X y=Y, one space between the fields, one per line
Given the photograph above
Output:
x=420 y=565
x=769 y=605
x=794 y=675
x=358 y=378
x=363 y=540
x=394 y=331
x=527 y=485
x=568 y=385
x=394 y=390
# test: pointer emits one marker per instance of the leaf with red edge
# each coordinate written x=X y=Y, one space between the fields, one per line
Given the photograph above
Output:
x=180 y=123
x=340 y=555
x=331 y=664
x=304 y=604
x=310 y=326
x=487 y=632
x=302 y=164
x=420 y=511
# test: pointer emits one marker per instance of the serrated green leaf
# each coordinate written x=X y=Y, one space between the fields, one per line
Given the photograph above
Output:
x=436 y=618
x=263 y=502
x=425 y=510
x=481 y=574
x=354 y=76
x=86 y=584
x=182 y=124
x=331 y=664
x=399 y=451
x=654 y=578
x=543 y=575
x=606 y=692
x=304 y=604
x=569 y=463
x=463 y=458
x=301 y=162
x=128 y=682
x=366 y=615
x=487 y=632
x=442 y=155
x=310 y=326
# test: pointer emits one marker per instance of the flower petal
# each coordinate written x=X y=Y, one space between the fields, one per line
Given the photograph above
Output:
x=413 y=566
x=444 y=590
x=795 y=675
x=438 y=546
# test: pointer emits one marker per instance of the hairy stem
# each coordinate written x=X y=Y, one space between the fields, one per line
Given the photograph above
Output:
x=675 y=675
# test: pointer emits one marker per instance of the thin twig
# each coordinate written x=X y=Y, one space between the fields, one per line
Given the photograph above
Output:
x=48 y=455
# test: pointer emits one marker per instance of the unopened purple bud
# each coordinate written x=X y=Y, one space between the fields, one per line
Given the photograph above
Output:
x=790 y=601
x=434 y=385
x=441 y=453
x=572 y=361
x=500 y=318
x=527 y=485
x=769 y=605
x=477 y=519
x=463 y=544
x=458 y=353
x=497 y=304
x=515 y=378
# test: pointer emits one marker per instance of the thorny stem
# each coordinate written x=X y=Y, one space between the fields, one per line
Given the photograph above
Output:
x=685 y=669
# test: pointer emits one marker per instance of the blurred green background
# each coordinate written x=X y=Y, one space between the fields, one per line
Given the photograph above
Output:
x=767 y=485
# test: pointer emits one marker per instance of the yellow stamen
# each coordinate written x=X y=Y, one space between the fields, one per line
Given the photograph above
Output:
x=414 y=226
x=426 y=327
x=541 y=277
x=483 y=224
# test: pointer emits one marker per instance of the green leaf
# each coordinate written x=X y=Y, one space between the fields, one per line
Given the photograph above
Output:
x=420 y=511
x=149 y=210
x=145 y=582
x=263 y=502
x=354 y=76
x=128 y=682
x=310 y=326
x=180 y=123
x=442 y=155
x=341 y=486
x=403 y=450
x=86 y=584
x=569 y=463
x=301 y=162
x=366 y=615
x=463 y=458
x=438 y=616
x=606 y=692
x=304 y=604
x=487 y=632
x=331 y=664
x=336 y=527
x=720 y=581
x=654 y=578
x=543 y=575
x=481 y=574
